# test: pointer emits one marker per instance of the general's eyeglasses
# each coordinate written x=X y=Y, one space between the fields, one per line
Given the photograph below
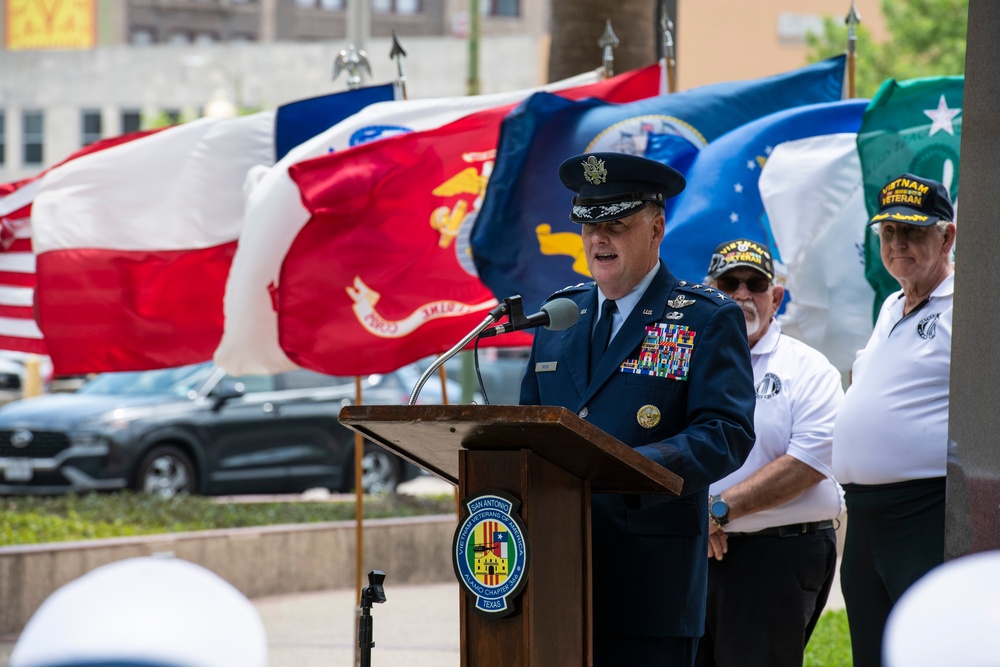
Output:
x=730 y=284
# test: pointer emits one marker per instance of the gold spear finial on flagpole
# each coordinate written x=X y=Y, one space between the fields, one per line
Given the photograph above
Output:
x=669 y=59
x=608 y=42
x=852 y=20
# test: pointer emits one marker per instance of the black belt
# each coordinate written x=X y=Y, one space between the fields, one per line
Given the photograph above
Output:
x=791 y=530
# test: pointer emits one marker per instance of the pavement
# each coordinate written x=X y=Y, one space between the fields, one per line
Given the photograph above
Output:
x=417 y=625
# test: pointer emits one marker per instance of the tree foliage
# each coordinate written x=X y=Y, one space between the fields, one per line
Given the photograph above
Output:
x=926 y=38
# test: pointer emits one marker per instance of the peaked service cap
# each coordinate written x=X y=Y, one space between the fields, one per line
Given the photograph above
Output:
x=610 y=186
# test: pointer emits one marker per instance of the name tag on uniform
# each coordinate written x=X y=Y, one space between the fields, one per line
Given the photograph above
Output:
x=545 y=366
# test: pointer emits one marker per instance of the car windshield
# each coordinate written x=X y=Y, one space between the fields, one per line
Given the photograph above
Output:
x=168 y=381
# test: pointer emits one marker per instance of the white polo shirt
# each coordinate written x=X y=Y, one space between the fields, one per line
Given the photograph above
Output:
x=893 y=426
x=798 y=394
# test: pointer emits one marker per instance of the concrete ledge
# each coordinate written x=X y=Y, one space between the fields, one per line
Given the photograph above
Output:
x=259 y=561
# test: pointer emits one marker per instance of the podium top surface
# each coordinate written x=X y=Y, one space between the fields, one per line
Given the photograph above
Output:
x=432 y=435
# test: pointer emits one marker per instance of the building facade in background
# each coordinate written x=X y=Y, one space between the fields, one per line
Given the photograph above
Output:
x=75 y=71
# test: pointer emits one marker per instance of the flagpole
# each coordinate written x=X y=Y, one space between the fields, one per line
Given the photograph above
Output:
x=852 y=20
x=608 y=41
x=669 y=59
x=397 y=53
x=472 y=85
x=359 y=534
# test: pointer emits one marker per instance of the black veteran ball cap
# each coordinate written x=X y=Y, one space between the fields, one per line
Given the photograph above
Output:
x=609 y=186
x=741 y=252
x=914 y=201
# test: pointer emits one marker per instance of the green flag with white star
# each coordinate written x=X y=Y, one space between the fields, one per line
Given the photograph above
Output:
x=915 y=127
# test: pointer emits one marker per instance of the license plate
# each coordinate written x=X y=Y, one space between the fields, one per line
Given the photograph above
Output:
x=18 y=470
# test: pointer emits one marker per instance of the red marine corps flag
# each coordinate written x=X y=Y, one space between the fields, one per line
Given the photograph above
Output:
x=381 y=275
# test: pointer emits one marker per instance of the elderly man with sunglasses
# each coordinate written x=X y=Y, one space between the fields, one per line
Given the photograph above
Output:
x=772 y=547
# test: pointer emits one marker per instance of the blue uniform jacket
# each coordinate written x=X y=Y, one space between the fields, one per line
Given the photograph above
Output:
x=650 y=552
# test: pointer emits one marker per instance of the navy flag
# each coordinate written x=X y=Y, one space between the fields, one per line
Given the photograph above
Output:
x=523 y=241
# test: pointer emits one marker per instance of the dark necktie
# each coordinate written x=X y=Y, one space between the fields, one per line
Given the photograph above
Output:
x=602 y=334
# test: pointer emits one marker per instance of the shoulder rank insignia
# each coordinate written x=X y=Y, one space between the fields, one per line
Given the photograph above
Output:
x=680 y=302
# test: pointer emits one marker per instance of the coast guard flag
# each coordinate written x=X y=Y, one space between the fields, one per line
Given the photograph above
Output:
x=523 y=242
x=275 y=212
x=133 y=245
x=18 y=330
x=721 y=201
x=814 y=196
x=912 y=127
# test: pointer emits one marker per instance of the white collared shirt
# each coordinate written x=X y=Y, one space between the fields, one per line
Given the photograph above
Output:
x=798 y=395
x=893 y=426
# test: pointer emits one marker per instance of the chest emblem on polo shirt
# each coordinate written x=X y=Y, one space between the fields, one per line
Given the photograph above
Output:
x=665 y=352
x=927 y=327
x=768 y=387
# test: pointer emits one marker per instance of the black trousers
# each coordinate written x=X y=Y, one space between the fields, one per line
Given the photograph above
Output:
x=630 y=651
x=895 y=535
x=765 y=597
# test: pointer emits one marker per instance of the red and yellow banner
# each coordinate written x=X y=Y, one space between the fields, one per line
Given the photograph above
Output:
x=50 y=24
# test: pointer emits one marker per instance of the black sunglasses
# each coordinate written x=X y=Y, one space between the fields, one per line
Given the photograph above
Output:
x=730 y=284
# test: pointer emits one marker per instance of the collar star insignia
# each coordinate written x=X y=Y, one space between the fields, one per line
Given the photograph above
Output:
x=680 y=302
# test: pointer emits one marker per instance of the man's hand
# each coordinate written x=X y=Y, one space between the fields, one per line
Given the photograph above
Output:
x=718 y=541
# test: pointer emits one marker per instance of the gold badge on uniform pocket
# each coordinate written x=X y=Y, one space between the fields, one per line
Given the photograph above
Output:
x=648 y=416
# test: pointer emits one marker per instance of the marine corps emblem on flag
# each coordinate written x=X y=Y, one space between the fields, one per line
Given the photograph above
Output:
x=490 y=553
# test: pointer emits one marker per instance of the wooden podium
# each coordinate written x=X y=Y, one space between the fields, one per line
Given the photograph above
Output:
x=550 y=460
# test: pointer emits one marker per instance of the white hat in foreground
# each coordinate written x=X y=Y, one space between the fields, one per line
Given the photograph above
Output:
x=144 y=611
x=951 y=616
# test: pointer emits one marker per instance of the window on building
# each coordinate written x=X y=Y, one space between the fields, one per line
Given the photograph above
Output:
x=172 y=116
x=332 y=5
x=205 y=38
x=141 y=37
x=90 y=126
x=306 y=3
x=179 y=38
x=131 y=120
x=3 y=138
x=396 y=6
x=33 y=128
x=502 y=8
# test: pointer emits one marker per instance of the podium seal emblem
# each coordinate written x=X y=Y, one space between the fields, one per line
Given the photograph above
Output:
x=490 y=552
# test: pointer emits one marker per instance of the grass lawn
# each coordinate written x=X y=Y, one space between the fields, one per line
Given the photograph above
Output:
x=830 y=645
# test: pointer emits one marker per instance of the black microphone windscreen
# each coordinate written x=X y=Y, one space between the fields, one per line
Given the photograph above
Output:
x=563 y=313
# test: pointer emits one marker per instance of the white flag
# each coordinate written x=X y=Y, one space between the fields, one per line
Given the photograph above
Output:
x=813 y=193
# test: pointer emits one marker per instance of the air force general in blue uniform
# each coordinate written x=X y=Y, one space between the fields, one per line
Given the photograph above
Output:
x=675 y=383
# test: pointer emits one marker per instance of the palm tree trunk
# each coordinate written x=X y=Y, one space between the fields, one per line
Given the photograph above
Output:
x=577 y=25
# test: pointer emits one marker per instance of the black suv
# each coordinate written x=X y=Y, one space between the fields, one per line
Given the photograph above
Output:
x=196 y=429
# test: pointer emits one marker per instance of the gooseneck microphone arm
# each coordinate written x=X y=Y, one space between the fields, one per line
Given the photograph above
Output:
x=509 y=306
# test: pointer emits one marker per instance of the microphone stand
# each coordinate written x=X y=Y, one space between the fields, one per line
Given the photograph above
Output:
x=511 y=306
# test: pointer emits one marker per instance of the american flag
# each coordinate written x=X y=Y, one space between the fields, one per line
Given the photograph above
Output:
x=18 y=329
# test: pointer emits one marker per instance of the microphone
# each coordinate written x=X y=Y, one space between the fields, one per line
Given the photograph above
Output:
x=555 y=315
